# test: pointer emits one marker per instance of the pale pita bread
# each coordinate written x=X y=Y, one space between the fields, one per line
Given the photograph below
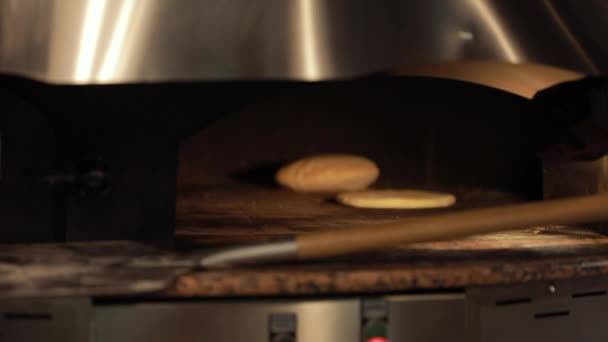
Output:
x=328 y=173
x=396 y=199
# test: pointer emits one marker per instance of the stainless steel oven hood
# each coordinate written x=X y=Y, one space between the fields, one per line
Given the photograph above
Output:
x=122 y=41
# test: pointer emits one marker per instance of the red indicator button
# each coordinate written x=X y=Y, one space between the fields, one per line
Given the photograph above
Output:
x=376 y=339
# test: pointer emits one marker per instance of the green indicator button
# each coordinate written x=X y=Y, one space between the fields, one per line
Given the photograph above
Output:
x=375 y=329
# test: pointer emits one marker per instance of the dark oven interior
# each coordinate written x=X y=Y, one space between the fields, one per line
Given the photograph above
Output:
x=112 y=161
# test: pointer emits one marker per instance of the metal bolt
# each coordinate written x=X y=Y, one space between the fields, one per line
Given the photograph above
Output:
x=552 y=288
x=92 y=177
x=466 y=35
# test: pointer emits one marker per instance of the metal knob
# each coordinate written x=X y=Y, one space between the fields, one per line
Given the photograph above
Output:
x=90 y=179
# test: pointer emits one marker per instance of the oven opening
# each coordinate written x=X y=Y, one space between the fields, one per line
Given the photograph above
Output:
x=470 y=141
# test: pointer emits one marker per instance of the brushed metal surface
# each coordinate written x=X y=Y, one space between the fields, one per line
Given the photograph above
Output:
x=560 y=311
x=317 y=320
x=45 y=319
x=118 y=41
x=251 y=254
x=427 y=317
x=410 y=318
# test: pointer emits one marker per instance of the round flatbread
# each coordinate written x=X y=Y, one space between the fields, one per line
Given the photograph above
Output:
x=328 y=173
x=396 y=199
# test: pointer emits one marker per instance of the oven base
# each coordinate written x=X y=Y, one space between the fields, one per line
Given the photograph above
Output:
x=568 y=310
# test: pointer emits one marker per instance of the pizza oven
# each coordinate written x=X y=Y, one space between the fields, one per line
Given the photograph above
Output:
x=107 y=97
x=163 y=125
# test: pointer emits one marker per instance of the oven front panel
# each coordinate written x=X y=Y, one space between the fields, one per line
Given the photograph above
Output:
x=566 y=310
